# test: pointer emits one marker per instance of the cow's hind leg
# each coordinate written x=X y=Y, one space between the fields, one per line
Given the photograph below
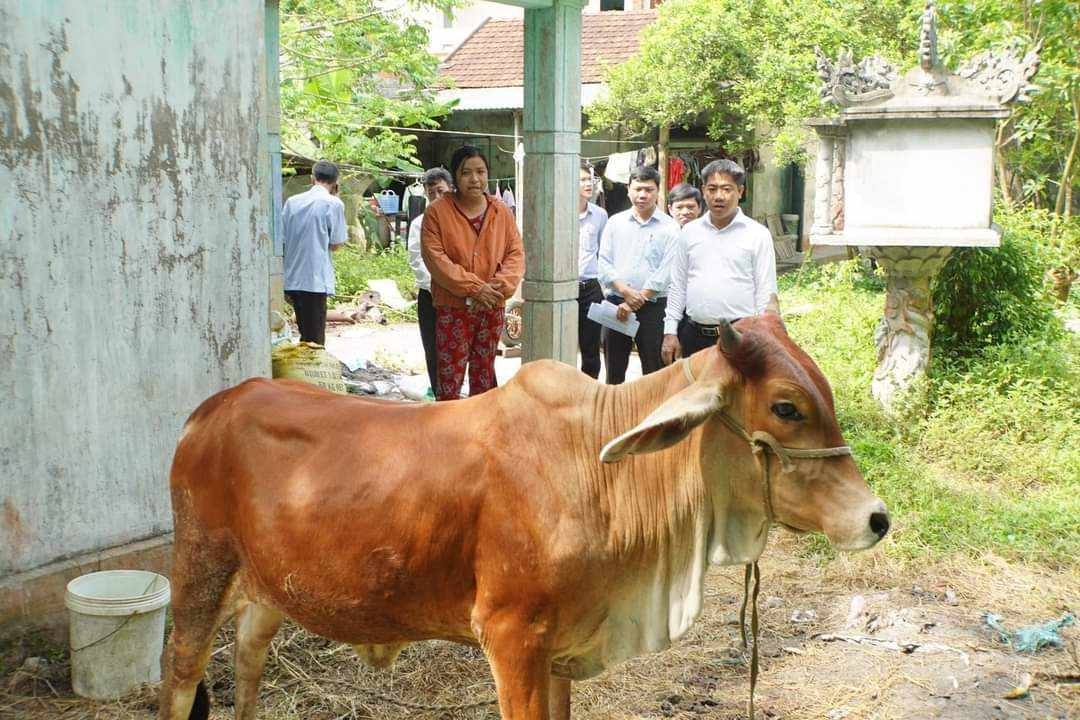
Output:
x=200 y=603
x=256 y=626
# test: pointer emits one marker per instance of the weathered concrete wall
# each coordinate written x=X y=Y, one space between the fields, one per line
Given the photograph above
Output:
x=134 y=214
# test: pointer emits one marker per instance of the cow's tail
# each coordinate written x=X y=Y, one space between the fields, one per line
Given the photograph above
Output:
x=200 y=709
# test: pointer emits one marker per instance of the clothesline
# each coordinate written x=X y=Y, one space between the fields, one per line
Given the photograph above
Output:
x=462 y=133
x=361 y=168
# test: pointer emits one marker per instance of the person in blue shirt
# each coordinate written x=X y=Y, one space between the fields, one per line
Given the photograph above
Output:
x=313 y=225
x=634 y=266
x=591 y=221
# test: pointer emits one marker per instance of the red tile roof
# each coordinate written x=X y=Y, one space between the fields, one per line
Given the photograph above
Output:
x=493 y=55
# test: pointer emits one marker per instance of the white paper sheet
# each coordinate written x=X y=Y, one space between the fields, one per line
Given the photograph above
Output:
x=605 y=313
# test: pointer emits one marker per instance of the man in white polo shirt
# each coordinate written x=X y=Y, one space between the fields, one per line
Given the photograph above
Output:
x=722 y=266
x=437 y=182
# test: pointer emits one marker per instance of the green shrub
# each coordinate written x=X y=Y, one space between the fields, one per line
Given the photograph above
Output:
x=986 y=295
x=991 y=464
x=353 y=267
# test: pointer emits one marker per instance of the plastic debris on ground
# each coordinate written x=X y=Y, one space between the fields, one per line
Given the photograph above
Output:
x=1033 y=637
x=388 y=293
x=415 y=387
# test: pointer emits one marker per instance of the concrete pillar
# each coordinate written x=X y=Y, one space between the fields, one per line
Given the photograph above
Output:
x=552 y=152
x=903 y=336
x=823 y=187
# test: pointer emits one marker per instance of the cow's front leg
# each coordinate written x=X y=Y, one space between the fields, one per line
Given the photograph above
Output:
x=559 y=699
x=520 y=662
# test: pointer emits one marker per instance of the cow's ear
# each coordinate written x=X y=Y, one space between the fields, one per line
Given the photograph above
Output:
x=669 y=423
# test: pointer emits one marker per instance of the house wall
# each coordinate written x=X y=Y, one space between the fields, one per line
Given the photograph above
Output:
x=134 y=244
x=767 y=190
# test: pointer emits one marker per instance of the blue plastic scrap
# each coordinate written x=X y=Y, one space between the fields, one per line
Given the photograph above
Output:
x=1033 y=637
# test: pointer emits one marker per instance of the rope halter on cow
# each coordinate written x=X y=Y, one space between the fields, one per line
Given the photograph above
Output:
x=760 y=443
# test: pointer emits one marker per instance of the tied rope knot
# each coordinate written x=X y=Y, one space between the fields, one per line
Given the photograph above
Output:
x=760 y=443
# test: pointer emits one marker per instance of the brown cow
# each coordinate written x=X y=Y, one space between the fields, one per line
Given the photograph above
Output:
x=492 y=520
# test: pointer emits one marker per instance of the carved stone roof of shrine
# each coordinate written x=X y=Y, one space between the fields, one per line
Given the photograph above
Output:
x=983 y=87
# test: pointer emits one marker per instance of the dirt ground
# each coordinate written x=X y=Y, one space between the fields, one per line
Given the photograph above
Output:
x=859 y=637
x=918 y=647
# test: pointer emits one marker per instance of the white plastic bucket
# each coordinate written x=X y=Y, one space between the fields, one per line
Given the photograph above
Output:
x=117 y=630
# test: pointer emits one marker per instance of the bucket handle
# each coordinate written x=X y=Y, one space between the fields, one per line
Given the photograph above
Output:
x=115 y=630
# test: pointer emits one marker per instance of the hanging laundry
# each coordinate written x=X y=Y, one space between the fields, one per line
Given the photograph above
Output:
x=508 y=197
x=619 y=166
x=676 y=169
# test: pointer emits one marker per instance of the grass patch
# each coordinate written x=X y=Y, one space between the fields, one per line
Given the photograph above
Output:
x=354 y=266
x=987 y=460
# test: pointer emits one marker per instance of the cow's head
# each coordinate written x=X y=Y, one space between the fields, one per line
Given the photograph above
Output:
x=756 y=376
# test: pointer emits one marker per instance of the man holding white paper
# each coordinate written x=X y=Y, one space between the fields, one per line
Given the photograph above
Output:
x=722 y=266
x=633 y=265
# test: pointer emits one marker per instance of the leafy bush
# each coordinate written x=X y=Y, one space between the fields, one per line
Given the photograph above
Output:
x=988 y=295
x=354 y=266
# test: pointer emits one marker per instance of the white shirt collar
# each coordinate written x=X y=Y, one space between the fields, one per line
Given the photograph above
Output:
x=656 y=215
x=739 y=219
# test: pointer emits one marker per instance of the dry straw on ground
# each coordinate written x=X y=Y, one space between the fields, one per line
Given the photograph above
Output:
x=704 y=675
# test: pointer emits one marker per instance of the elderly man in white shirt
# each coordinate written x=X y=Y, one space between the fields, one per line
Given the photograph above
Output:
x=437 y=182
x=722 y=266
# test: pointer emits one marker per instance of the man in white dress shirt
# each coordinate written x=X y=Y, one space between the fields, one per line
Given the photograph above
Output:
x=591 y=221
x=722 y=266
x=437 y=182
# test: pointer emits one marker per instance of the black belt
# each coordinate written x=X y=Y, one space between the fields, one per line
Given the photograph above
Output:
x=707 y=330
x=590 y=281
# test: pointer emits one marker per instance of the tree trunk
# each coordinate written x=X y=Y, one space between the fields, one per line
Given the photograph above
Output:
x=662 y=161
x=1070 y=161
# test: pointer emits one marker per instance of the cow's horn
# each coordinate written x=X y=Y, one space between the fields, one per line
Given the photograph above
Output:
x=773 y=306
x=729 y=338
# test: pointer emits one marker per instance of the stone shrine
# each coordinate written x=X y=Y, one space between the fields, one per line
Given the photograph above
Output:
x=905 y=173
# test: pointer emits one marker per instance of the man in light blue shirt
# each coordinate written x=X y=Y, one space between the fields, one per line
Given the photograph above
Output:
x=313 y=225
x=591 y=221
x=634 y=265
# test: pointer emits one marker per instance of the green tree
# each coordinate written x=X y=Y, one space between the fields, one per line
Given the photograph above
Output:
x=741 y=67
x=348 y=66
x=1039 y=145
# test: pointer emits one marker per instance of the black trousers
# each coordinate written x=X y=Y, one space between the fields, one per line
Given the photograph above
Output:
x=588 y=332
x=310 y=308
x=692 y=338
x=425 y=311
x=649 y=339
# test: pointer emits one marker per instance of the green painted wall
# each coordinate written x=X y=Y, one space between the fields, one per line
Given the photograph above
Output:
x=134 y=237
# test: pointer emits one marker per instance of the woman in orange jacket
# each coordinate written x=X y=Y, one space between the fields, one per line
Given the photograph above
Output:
x=472 y=247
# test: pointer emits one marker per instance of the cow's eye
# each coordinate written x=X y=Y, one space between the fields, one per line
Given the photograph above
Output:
x=787 y=411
